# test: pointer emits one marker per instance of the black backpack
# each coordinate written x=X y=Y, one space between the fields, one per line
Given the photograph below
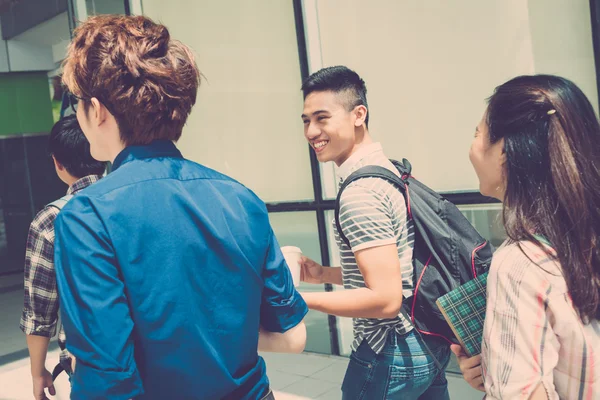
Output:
x=60 y=203
x=448 y=251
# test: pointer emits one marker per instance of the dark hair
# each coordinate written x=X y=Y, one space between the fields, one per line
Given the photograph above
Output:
x=552 y=172
x=71 y=149
x=339 y=79
x=147 y=80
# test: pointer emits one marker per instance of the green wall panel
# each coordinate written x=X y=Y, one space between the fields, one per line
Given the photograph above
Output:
x=25 y=105
x=33 y=103
x=9 y=118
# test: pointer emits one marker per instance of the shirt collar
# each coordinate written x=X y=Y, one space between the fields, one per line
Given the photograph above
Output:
x=82 y=183
x=359 y=159
x=158 y=148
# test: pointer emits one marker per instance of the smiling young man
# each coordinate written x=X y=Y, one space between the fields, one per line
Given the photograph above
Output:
x=389 y=360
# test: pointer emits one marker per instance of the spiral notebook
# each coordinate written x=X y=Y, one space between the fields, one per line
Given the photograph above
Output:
x=464 y=310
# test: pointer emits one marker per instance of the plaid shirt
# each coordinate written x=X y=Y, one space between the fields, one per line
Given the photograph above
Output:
x=40 y=310
x=532 y=334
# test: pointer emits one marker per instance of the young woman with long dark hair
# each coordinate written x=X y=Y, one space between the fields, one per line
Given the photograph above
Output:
x=537 y=149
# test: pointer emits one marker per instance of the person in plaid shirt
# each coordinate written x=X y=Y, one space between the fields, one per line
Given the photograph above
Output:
x=74 y=166
x=537 y=149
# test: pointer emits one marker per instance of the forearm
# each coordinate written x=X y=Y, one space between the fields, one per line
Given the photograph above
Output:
x=292 y=341
x=38 y=348
x=270 y=341
x=332 y=275
x=355 y=303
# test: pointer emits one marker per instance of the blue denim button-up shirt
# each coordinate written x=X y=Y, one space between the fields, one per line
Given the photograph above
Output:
x=165 y=270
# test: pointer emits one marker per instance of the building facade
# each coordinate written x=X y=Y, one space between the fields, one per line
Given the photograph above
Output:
x=429 y=65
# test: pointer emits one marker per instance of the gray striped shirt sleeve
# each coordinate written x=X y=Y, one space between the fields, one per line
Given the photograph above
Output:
x=366 y=218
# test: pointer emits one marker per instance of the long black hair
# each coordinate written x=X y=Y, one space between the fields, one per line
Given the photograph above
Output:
x=552 y=173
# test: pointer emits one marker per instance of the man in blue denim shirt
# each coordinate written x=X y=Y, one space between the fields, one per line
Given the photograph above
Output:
x=167 y=270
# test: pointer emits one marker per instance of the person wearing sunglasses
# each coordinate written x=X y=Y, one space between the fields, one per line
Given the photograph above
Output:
x=170 y=275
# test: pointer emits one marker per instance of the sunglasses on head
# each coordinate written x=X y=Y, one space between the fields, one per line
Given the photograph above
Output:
x=73 y=101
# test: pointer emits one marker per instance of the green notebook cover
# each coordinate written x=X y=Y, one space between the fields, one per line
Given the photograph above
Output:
x=464 y=309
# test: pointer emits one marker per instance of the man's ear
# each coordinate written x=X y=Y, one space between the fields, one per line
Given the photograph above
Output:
x=97 y=112
x=361 y=115
x=58 y=165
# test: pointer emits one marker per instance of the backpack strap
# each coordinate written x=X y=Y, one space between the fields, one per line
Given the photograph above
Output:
x=543 y=239
x=373 y=171
x=369 y=171
x=58 y=369
x=60 y=203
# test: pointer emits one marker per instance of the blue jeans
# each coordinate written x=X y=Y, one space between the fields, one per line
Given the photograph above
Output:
x=402 y=370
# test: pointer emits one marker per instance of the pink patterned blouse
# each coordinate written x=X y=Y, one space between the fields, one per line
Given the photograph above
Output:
x=532 y=334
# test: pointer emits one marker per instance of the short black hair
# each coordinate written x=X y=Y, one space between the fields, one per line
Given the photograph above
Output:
x=71 y=149
x=339 y=79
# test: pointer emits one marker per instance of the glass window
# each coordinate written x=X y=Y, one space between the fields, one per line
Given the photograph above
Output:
x=246 y=122
x=97 y=7
x=487 y=219
x=344 y=325
x=3 y=241
x=300 y=229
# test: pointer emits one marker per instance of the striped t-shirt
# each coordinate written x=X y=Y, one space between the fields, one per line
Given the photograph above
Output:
x=373 y=213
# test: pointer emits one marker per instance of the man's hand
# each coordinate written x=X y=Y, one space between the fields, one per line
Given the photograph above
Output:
x=310 y=271
x=470 y=367
x=42 y=382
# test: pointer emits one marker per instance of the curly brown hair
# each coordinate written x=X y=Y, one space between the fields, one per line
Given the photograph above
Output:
x=146 y=80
